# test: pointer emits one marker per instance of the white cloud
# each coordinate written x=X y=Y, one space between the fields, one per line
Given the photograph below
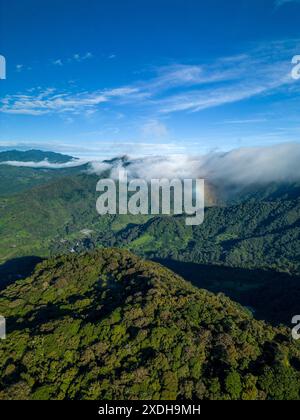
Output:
x=45 y=164
x=262 y=71
x=48 y=101
x=76 y=57
x=19 y=67
x=240 y=166
x=82 y=57
x=243 y=167
x=202 y=99
x=154 y=129
x=58 y=62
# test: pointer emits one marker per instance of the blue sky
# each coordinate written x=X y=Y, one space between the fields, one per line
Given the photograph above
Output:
x=106 y=77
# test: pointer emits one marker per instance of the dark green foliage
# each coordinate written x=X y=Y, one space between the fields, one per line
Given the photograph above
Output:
x=270 y=295
x=233 y=385
x=249 y=235
x=110 y=325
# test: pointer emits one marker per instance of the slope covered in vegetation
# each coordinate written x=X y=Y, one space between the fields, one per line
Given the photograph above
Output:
x=16 y=179
x=38 y=220
x=248 y=250
x=110 y=325
x=257 y=233
x=249 y=235
x=29 y=220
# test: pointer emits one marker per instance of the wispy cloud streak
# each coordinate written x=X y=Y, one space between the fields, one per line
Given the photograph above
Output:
x=177 y=87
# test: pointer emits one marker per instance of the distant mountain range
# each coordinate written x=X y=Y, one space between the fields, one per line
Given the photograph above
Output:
x=17 y=178
x=34 y=156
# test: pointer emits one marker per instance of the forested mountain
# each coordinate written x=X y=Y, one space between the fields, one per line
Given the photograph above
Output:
x=34 y=221
x=253 y=234
x=15 y=179
x=108 y=325
x=257 y=233
x=33 y=156
x=29 y=220
x=249 y=250
x=266 y=191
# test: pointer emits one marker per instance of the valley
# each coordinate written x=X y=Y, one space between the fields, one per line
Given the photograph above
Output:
x=248 y=247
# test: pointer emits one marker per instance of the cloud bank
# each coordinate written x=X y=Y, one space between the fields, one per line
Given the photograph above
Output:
x=244 y=166
x=45 y=164
x=241 y=167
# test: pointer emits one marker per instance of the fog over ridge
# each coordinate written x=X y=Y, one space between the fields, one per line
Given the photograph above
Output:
x=243 y=166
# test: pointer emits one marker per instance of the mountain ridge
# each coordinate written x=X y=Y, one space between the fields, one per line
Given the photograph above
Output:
x=34 y=155
x=109 y=325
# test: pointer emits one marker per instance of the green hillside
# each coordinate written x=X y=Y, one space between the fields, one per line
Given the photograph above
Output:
x=36 y=221
x=29 y=220
x=253 y=234
x=249 y=250
x=110 y=325
x=15 y=179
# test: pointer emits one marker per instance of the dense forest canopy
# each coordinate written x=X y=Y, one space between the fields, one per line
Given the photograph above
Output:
x=110 y=325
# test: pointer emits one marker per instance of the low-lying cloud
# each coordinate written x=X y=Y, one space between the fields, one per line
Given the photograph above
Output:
x=239 y=167
x=244 y=166
x=45 y=164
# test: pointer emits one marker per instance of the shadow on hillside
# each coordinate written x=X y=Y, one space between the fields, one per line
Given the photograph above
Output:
x=270 y=295
x=16 y=269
